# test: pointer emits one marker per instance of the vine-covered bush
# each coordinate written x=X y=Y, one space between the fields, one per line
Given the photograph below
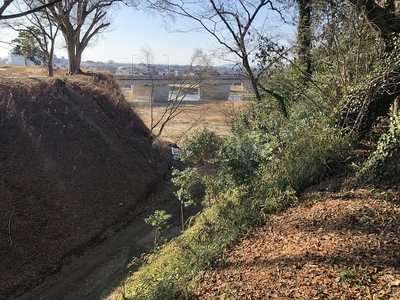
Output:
x=384 y=163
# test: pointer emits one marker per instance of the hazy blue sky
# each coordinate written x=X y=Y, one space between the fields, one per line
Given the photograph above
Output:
x=133 y=29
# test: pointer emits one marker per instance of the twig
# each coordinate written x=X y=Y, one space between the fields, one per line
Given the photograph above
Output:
x=9 y=227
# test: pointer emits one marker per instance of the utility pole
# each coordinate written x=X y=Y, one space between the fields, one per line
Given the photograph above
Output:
x=132 y=66
x=167 y=62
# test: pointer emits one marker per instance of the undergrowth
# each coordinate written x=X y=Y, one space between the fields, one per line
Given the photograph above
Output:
x=286 y=156
x=383 y=164
x=173 y=272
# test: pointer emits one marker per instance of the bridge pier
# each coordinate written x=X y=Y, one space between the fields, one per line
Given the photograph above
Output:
x=160 y=93
x=214 y=91
x=157 y=88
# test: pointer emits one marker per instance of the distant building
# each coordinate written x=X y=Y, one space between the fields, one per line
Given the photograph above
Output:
x=17 y=60
x=90 y=64
x=124 y=70
x=61 y=63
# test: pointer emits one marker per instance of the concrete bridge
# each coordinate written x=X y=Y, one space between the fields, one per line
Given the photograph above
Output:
x=216 y=87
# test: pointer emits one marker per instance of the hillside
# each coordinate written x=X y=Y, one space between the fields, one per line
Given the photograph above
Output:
x=75 y=160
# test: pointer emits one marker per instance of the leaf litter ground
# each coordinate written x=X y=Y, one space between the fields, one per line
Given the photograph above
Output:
x=332 y=246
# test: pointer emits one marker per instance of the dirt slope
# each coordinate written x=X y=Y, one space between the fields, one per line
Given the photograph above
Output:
x=332 y=246
x=74 y=160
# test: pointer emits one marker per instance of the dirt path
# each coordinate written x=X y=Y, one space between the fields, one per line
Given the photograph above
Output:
x=99 y=270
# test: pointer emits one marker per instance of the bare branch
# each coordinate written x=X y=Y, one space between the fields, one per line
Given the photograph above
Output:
x=229 y=22
x=383 y=21
x=80 y=22
x=33 y=10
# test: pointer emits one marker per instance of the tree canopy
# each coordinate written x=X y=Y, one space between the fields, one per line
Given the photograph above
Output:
x=27 y=45
x=80 y=22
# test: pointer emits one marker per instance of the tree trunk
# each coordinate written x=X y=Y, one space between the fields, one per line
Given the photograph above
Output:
x=182 y=217
x=378 y=94
x=73 y=65
x=304 y=37
x=384 y=21
x=250 y=74
x=73 y=62
x=50 y=69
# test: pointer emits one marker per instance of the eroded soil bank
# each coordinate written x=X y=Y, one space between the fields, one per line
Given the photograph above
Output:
x=76 y=164
x=102 y=269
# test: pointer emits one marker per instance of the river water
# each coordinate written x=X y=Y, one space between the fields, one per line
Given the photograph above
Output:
x=191 y=97
x=196 y=97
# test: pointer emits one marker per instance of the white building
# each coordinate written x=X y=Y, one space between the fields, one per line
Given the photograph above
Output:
x=17 y=60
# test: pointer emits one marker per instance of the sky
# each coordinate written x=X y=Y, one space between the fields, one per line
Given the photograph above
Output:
x=129 y=31
x=133 y=29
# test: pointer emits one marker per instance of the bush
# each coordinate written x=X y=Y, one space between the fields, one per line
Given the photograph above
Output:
x=383 y=165
x=201 y=147
x=278 y=153
x=241 y=158
x=312 y=152
x=159 y=221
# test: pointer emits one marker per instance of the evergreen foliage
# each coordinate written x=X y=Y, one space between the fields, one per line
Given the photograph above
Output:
x=202 y=146
x=159 y=221
x=27 y=46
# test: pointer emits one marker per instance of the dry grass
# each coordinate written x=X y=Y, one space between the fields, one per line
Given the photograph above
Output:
x=28 y=71
x=217 y=116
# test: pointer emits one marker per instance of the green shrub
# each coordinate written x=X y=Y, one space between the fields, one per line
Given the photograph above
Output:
x=159 y=221
x=241 y=158
x=313 y=151
x=202 y=146
x=184 y=180
x=281 y=153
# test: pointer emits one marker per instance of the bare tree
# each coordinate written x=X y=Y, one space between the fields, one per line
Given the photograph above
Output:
x=234 y=24
x=49 y=30
x=198 y=69
x=80 y=22
x=44 y=31
x=146 y=58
